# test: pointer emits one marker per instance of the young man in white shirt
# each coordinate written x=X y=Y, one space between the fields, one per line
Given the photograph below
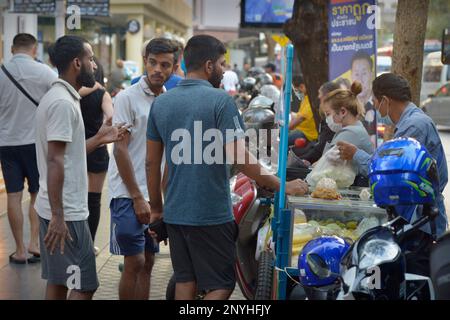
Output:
x=130 y=209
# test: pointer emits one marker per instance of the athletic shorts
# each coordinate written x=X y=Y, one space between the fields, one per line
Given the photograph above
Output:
x=18 y=163
x=128 y=236
x=75 y=269
x=204 y=254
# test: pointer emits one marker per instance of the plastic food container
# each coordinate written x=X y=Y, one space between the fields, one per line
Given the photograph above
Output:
x=347 y=218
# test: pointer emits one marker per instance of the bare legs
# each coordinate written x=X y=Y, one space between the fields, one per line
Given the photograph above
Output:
x=15 y=217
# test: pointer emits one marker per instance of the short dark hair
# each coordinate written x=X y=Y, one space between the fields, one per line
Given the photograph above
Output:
x=297 y=80
x=271 y=66
x=161 y=45
x=180 y=48
x=65 y=50
x=200 y=49
x=392 y=86
x=24 y=40
x=362 y=55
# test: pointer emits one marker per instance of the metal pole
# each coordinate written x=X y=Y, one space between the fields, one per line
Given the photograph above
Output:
x=285 y=128
x=284 y=216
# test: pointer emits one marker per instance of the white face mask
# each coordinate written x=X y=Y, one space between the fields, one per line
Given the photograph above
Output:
x=335 y=127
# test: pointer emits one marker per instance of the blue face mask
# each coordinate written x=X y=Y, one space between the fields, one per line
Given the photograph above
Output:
x=386 y=120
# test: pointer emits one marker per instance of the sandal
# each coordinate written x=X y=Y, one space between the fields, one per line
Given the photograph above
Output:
x=35 y=258
x=15 y=260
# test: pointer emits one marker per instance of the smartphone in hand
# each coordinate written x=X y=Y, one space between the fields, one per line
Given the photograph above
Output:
x=159 y=227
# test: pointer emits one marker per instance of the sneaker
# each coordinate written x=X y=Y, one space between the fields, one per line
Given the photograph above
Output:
x=96 y=251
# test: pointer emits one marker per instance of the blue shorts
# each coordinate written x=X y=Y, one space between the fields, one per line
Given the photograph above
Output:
x=128 y=237
x=18 y=163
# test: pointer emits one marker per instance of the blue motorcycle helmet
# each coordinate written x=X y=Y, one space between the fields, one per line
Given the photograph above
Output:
x=403 y=173
x=319 y=262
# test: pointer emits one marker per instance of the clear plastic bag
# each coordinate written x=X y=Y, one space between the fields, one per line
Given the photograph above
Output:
x=331 y=166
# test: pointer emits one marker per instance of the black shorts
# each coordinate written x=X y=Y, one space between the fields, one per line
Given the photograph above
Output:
x=97 y=160
x=18 y=163
x=204 y=254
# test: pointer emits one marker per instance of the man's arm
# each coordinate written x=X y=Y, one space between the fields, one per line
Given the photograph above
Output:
x=164 y=178
x=350 y=152
x=153 y=170
x=126 y=172
x=85 y=91
x=238 y=154
x=107 y=106
x=57 y=231
x=296 y=120
x=106 y=134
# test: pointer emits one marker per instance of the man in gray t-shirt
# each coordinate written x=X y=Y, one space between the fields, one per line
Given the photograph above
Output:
x=68 y=259
x=199 y=127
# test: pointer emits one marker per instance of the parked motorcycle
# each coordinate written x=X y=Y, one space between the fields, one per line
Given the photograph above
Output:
x=388 y=262
x=440 y=267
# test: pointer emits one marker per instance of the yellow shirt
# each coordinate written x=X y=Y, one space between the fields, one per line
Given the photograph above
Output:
x=307 y=126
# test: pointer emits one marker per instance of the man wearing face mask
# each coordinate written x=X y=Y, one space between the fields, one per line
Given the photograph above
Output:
x=302 y=124
x=392 y=98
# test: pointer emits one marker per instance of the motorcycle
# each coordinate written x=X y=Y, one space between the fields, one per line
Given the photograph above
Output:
x=440 y=267
x=376 y=266
x=391 y=262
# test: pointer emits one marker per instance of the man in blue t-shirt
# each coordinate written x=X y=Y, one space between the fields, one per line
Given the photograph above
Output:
x=199 y=127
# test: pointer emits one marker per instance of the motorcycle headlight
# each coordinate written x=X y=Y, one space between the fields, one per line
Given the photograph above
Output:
x=377 y=251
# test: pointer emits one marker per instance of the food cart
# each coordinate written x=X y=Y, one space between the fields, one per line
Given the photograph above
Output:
x=296 y=220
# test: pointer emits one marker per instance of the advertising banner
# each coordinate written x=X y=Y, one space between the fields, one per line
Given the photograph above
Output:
x=352 y=50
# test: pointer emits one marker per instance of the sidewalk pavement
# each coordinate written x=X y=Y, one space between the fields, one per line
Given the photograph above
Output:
x=23 y=282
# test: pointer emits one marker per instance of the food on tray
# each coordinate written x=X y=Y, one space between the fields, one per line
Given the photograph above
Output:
x=299 y=216
x=304 y=232
x=326 y=189
x=352 y=225
x=326 y=194
x=365 y=194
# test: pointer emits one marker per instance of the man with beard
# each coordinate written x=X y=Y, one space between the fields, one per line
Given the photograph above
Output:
x=130 y=210
x=197 y=207
x=67 y=251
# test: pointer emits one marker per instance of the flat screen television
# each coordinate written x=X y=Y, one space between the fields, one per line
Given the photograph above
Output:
x=265 y=13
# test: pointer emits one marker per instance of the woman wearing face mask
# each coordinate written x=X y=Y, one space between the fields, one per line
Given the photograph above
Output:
x=343 y=110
